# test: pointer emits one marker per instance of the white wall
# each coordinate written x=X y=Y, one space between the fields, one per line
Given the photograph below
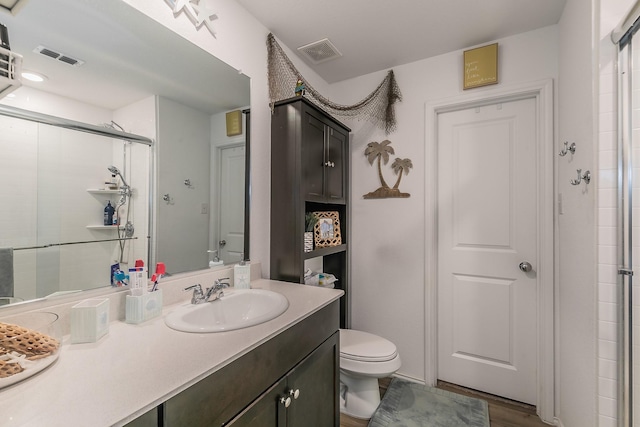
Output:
x=388 y=278
x=576 y=287
x=607 y=250
x=183 y=152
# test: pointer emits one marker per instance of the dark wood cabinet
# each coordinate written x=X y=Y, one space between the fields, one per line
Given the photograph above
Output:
x=249 y=391
x=309 y=173
x=306 y=397
x=323 y=150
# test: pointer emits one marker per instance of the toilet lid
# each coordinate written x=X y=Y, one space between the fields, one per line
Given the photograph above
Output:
x=363 y=346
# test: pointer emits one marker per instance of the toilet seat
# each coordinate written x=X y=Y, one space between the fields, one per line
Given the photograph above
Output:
x=364 y=358
x=365 y=347
x=369 y=355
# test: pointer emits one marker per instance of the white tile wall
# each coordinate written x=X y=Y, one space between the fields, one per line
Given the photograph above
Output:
x=607 y=226
x=607 y=250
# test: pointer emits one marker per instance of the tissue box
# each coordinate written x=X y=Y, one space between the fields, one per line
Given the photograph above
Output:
x=143 y=307
x=89 y=320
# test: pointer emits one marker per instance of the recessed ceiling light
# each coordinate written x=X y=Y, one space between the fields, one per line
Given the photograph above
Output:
x=33 y=76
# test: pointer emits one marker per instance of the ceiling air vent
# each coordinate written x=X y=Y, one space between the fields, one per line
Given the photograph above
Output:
x=58 y=56
x=320 y=51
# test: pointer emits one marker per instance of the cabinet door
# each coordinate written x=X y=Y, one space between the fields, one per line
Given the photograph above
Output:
x=265 y=411
x=313 y=158
x=148 y=419
x=335 y=166
x=316 y=379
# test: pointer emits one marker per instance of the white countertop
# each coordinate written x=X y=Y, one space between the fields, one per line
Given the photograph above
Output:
x=136 y=367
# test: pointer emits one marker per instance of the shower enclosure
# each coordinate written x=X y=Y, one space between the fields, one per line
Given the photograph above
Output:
x=628 y=218
x=55 y=173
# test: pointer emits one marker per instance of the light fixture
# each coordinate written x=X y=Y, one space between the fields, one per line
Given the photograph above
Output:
x=11 y=5
x=33 y=76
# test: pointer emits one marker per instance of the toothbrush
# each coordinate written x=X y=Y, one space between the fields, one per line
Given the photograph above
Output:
x=154 y=279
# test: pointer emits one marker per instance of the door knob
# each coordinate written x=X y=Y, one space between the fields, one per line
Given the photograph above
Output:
x=221 y=243
x=294 y=393
x=525 y=267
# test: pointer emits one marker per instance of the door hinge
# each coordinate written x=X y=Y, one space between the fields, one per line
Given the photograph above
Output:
x=625 y=271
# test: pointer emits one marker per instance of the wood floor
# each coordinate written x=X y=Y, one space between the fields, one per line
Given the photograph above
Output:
x=502 y=412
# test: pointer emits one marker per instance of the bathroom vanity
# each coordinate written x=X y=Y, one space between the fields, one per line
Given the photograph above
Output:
x=284 y=372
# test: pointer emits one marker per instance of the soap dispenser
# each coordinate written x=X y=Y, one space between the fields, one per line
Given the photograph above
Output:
x=215 y=261
x=242 y=275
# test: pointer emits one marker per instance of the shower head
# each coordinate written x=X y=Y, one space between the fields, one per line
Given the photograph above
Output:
x=114 y=170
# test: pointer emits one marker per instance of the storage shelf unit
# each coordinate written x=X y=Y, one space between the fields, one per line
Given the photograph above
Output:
x=103 y=191
x=309 y=173
x=104 y=227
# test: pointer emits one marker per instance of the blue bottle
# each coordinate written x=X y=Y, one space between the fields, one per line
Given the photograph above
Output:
x=108 y=213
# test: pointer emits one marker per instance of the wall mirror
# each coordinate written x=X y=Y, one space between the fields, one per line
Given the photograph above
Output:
x=107 y=65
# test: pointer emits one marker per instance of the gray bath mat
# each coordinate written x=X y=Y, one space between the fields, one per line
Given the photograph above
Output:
x=407 y=404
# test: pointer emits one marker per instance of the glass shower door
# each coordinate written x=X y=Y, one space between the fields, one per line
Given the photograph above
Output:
x=629 y=231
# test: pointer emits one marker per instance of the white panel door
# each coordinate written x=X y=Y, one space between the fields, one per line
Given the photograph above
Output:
x=231 y=212
x=487 y=226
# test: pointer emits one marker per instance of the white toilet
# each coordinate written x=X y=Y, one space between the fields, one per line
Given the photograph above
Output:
x=364 y=358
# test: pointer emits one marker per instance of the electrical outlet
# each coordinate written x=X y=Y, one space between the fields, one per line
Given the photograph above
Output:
x=204 y=209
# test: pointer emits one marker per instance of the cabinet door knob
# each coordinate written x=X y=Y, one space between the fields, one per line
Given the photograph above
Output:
x=286 y=401
x=295 y=393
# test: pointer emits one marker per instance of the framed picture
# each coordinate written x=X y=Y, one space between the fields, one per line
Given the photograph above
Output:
x=480 y=66
x=326 y=232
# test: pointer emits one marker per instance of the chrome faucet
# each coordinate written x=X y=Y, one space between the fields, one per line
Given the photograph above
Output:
x=199 y=296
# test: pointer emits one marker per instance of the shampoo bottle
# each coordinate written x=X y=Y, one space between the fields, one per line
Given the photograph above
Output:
x=242 y=275
x=108 y=213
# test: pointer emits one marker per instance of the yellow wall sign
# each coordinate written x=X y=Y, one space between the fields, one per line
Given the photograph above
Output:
x=481 y=66
x=234 y=123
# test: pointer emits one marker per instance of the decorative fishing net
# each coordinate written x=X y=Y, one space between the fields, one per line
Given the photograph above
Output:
x=377 y=107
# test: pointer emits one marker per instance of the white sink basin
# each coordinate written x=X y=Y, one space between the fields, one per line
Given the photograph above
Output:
x=235 y=310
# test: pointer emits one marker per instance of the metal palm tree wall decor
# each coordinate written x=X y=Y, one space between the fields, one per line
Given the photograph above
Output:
x=380 y=151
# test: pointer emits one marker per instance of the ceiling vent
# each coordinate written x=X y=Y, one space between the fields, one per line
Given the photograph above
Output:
x=320 y=51
x=58 y=56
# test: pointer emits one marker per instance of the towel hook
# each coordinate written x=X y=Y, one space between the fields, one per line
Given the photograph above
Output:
x=586 y=177
x=568 y=148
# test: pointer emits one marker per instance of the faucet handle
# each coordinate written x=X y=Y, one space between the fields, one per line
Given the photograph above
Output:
x=219 y=283
x=198 y=295
x=197 y=288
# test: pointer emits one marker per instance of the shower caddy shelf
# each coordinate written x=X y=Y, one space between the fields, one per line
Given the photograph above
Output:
x=100 y=191
x=100 y=226
x=104 y=227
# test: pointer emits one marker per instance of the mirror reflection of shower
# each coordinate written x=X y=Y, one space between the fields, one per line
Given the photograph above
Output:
x=127 y=230
x=125 y=226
